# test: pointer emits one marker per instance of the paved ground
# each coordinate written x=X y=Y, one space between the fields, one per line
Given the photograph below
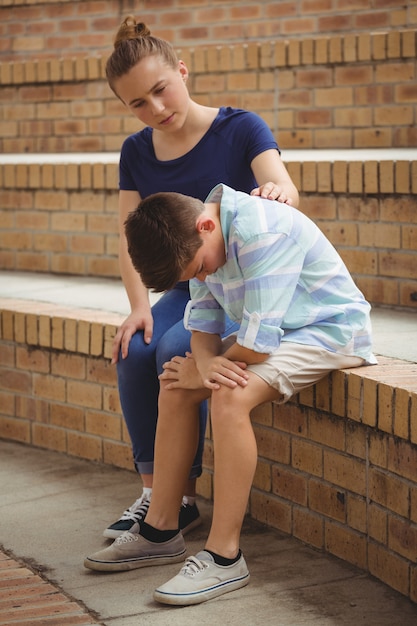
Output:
x=53 y=509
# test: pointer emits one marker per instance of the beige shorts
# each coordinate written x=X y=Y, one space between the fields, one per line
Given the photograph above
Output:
x=296 y=366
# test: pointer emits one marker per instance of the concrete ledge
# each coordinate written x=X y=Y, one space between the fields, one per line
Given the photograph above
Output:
x=300 y=155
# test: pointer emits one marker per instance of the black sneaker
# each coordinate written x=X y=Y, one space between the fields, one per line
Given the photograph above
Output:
x=133 y=515
x=189 y=517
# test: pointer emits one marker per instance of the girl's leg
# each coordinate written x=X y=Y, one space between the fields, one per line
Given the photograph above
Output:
x=138 y=380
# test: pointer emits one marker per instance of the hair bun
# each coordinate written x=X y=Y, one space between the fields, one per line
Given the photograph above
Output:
x=130 y=29
x=142 y=30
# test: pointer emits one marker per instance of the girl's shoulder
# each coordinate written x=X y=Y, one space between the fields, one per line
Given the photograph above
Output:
x=232 y=114
x=233 y=120
x=143 y=137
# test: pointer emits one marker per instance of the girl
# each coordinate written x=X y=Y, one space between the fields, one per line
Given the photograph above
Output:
x=188 y=148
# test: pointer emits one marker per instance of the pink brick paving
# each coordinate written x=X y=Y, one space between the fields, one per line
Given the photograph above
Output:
x=27 y=599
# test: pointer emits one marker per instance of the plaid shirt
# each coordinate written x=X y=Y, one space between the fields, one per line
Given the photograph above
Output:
x=282 y=281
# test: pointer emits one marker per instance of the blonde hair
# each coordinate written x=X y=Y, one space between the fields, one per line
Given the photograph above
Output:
x=134 y=42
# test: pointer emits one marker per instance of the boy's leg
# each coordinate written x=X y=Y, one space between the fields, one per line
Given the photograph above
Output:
x=176 y=442
x=220 y=567
x=292 y=368
x=157 y=540
x=235 y=453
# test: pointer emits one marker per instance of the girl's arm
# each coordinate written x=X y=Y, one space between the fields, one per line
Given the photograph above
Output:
x=140 y=317
x=274 y=181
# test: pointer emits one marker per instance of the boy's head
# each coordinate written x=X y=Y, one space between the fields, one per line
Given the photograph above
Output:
x=162 y=237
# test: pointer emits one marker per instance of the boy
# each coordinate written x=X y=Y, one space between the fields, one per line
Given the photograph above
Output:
x=268 y=267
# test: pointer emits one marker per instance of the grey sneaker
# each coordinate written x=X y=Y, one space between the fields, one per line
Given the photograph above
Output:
x=131 y=551
x=201 y=579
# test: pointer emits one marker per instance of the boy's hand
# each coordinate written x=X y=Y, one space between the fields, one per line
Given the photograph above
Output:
x=271 y=191
x=219 y=371
x=183 y=373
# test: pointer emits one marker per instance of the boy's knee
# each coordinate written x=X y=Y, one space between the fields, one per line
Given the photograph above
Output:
x=169 y=394
x=231 y=404
x=224 y=401
x=172 y=397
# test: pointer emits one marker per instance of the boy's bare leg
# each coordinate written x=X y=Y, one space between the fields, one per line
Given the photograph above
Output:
x=175 y=447
x=235 y=454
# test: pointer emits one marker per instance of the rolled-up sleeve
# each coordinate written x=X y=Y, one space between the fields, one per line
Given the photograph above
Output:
x=203 y=312
x=259 y=333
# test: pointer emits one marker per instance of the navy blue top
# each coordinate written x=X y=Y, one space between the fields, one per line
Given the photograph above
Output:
x=223 y=155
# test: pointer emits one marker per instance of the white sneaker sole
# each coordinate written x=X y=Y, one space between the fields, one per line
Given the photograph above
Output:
x=201 y=595
x=129 y=564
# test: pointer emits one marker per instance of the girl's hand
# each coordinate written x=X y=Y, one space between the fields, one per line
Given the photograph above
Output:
x=137 y=320
x=271 y=191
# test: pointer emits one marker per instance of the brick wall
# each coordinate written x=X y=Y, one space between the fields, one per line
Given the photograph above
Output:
x=346 y=91
x=50 y=29
x=62 y=218
x=58 y=389
x=337 y=469
x=337 y=466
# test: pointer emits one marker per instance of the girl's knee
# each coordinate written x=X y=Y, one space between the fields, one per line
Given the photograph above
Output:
x=175 y=342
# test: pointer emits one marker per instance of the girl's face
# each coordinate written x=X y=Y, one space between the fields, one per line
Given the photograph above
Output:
x=156 y=93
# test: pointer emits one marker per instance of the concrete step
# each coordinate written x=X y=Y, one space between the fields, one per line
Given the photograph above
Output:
x=395 y=331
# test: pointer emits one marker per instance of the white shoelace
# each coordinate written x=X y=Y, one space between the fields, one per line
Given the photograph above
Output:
x=126 y=537
x=193 y=566
x=138 y=510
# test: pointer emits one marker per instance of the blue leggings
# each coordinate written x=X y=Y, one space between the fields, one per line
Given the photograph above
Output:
x=138 y=377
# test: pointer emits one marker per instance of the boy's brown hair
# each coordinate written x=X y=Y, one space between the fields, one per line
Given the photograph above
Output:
x=162 y=237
